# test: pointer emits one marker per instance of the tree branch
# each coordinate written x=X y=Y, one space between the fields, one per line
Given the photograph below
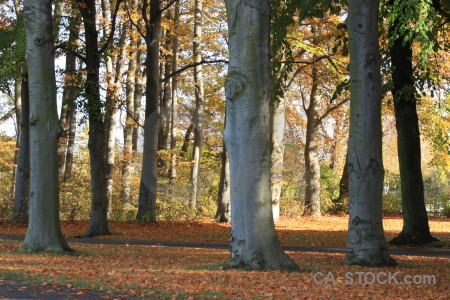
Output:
x=113 y=29
x=168 y=5
x=192 y=66
x=8 y=115
x=331 y=109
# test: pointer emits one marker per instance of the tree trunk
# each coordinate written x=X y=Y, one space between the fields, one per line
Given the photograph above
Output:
x=174 y=107
x=138 y=89
x=339 y=204
x=98 y=223
x=164 y=130
x=22 y=176
x=149 y=173
x=366 y=244
x=70 y=143
x=223 y=213
x=277 y=116
x=18 y=93
x=127 y=156
x=68 y=99
x=199 y=107
x=254 y=243
x=312 y=163
x=115 y=70
x=415 y=220
x=187 y=138
x=44 y=232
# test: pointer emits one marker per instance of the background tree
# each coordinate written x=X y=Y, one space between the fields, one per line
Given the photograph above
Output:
x=415 y=220
x=149 y=173
x=199 y=100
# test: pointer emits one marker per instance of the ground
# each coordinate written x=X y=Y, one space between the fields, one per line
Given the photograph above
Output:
x=188 y=273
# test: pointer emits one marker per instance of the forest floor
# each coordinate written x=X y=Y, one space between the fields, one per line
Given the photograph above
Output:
x=196 y=273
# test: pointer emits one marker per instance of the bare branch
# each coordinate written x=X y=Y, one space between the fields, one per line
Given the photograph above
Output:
x=192 y=66
x=8 y=115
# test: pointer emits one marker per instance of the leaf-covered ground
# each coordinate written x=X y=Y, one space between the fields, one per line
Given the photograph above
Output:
x=329 y=230
x=180 y=273
x=189 y=273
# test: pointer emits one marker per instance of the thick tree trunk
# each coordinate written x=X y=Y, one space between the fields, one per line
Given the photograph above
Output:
x=415 y=220
x=366 y=244
x=223 y=213
x=98 y=223
x=149 y=173
x=277 y=116
x=312 y=163
x=199 y=107
x=254 y=243
x=43 y=233
x=22 y=178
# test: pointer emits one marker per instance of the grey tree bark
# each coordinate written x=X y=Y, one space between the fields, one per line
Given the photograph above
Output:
x=140 y=81
x=366 y=244
x=149 y=173
x=127 y=154
x=254 y=243
x=174 y=106
x=166 y=103
x=44 y=232
x=68 y=98
x=312 y=163
x=115 y=69
x=22 y=174
x=199 y=106
x=70 y=143
x=277 y=117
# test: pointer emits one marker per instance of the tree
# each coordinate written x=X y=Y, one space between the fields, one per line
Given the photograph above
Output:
x=174 y=114
x=98 y=135
x=366 y=244
x=68 y=107
x=415 y=220
x=149 y=174
x=223 y=196
x=312 y=164
x=248 y=88
x=43 y=231
x=199 y=100
x=22 y=178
